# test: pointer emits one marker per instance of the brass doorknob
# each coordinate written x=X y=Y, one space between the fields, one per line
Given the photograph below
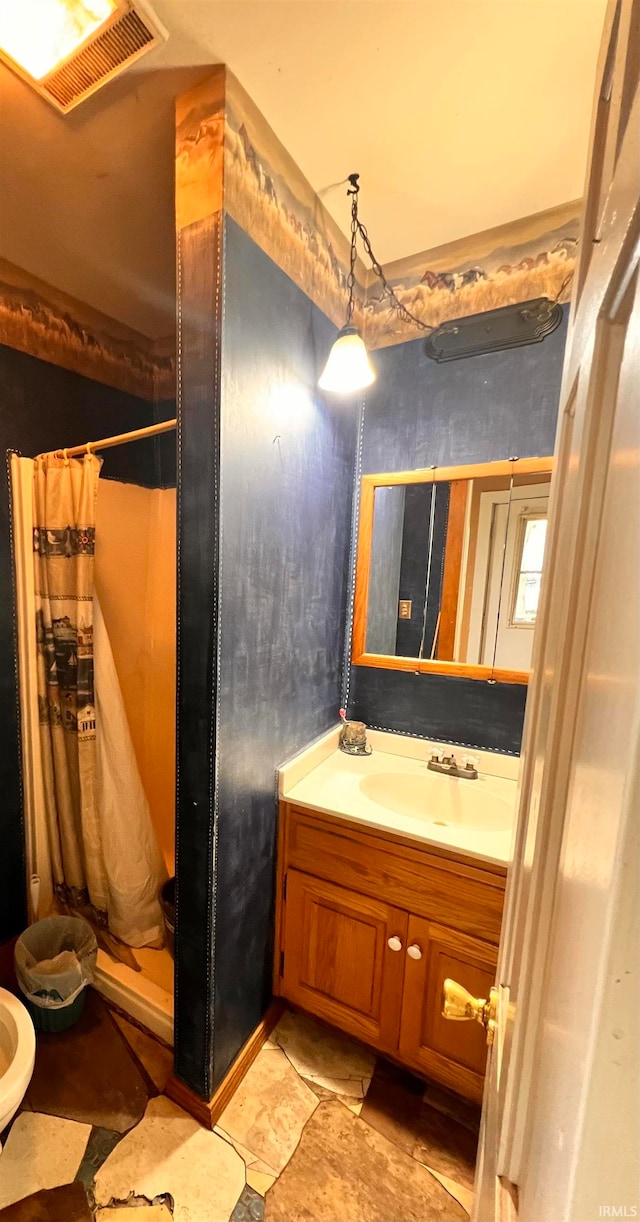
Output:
x=461 y=1006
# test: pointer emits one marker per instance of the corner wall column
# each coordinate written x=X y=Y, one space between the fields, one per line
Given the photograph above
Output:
x=199 y=224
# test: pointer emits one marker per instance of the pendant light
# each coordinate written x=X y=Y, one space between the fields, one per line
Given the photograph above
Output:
x=349 y=366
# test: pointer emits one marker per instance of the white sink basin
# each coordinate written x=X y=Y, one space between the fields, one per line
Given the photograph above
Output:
x=393 y=790
x=440 y=800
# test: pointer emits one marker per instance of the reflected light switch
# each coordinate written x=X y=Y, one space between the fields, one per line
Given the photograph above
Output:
x=404 y=608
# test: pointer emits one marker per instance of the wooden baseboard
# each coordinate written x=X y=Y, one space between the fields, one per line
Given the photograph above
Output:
x=208 y=1113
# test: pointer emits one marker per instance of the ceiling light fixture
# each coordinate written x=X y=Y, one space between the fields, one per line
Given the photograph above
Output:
x=349 y=367
x=66 y=49
x=38 y=35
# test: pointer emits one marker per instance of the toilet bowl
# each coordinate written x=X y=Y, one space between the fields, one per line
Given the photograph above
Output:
x=17 y=1055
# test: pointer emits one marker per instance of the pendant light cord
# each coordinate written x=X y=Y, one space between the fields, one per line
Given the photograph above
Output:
x=357 y=227
x=351 y=278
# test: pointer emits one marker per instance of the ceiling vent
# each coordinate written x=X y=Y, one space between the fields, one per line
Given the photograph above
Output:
x=127 y=35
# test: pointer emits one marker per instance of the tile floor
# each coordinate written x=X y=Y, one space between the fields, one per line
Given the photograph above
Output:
x=320 y=1130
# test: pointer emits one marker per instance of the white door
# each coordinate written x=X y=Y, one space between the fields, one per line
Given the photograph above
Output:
x=519 y=591
x=560 y=1135
x=510 y=549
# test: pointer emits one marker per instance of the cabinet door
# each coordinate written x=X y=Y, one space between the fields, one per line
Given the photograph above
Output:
x=338 y=962
x=453 y=1053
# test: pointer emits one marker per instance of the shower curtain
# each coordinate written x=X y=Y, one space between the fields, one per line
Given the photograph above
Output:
x=89 y=833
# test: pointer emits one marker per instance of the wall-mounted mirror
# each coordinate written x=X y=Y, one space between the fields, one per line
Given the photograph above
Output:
x=449 y=568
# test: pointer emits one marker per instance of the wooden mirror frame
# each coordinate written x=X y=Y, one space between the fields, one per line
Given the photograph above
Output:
x=425 y=475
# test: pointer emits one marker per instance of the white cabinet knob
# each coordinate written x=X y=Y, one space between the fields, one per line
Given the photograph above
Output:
x=414 y=952
x=394 y=944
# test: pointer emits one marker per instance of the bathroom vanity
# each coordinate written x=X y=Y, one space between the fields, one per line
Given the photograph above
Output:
x=391 y=879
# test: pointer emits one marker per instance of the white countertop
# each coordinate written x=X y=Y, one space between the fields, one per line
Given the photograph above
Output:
x=392 y=790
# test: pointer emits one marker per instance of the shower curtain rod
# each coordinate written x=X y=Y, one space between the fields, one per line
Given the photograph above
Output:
x=120 y=439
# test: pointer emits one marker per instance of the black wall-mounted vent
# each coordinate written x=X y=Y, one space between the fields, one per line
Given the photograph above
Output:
x=527 y=322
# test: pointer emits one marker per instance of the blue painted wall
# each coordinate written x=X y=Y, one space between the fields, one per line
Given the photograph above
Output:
x=287 y=462
x=200 y=328
x=443 y=707
x=474 y=410
x=419 y=413
x=165 y=446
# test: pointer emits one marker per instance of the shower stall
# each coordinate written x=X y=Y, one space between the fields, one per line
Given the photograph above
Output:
x=95 y=570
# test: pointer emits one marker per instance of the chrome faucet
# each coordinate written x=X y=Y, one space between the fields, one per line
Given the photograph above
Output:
x=448 y=764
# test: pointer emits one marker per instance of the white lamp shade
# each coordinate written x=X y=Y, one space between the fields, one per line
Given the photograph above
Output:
x=348 y=368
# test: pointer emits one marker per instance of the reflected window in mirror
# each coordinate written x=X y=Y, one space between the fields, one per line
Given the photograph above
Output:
x=530 y=557
x=449 y=568
x=492 y=635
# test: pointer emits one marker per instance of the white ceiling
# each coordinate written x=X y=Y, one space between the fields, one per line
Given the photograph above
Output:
x=458 y=114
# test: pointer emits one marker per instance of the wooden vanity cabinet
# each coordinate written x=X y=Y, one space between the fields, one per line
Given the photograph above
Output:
x=337 y=959
x=453 y=1053
x=368 y=927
